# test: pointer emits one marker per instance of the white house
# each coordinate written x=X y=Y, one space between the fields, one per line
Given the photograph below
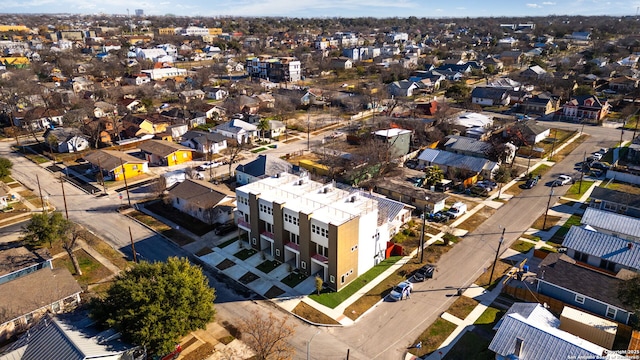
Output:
x=237 y=129
x=216 y=93
x=66 y=140
x=163 y=73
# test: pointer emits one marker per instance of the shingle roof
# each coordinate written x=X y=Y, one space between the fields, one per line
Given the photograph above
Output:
x=459 y=161
x=265 y=165
x=603 y=246
x=161 y=148
x=539 y=341
x=198 y=193
x=561 y=270
x=462 y=143
x=610 y=221
x=615 y=196
x=34 y=291
x=201 y=137
x=110 y=159
x=489 y=93
x=17 y=258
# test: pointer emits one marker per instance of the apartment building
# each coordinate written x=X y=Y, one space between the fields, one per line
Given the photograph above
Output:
x=286 y=69
x=329 y=230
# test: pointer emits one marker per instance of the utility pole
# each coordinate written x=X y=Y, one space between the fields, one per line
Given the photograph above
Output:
x=308 y=129
x=104 y=186
x=64 y=197
x=497 y=254
x=44 y=210
x=424 y=220
x=544 y=225
x=553 y=146
x=126 y=186
x=584 y=163
x=133 y=247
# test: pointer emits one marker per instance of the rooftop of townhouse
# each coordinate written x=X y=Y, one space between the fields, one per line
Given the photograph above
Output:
x=328 y=203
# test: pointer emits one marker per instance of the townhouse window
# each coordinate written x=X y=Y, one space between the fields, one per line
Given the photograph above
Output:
x=277 y=252
x=607 y=265
x=581 y=256
x=322 y=250
x=579 y=299
x=303 y=264
x=268 y=227
x=294 y=238
x=332 y=279
x=342 y=279
x=611 y=312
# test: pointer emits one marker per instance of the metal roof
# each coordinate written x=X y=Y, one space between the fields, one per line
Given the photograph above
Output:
x=603 y=246
x=265 y=165
x=610 y=221
x=462 y=143
x=616 y=197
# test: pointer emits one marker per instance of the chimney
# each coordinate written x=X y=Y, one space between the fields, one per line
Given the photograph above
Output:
x=629 y=246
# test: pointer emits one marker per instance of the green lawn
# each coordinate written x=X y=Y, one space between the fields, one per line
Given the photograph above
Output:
x=577 y=190
x=433 y=336
x=333 y=299
x=255 y=151
x=244 y=254
x=522 y=246
x=293 y=279
x=471 y=346
x=92 y=270
x=559 y=235
x=268 y=266
x=490 y=316
x=227 y=243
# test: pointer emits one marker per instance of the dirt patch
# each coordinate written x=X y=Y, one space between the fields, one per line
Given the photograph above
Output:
x=274 y=292
x=248 y=277
x=201 y=352
x=308 y=312
x=204 y=251
x=500 y=269
x=462 y=307
x=476 y=219
x=540 y=223
x=225 y=264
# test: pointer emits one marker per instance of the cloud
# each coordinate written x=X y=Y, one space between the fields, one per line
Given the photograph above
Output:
x=548 y=3
x=534 y=6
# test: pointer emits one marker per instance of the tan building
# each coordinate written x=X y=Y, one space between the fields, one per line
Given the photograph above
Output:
x=326 y=230
x=166 y=31
x=215 y=31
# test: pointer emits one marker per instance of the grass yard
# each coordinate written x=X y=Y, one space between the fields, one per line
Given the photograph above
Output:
x=577 y=190
x=559 y=155
x=462 y=307
x=624 y=187
x=476 y=219
x=531 y=237
x=227 y=243
x=333 y=299
x=308 y=312
x=471 y=346
x=114 y=256
x=501 y=269
x=268 y=266
x=433 y=336
x=522 y=246
x=564 y=229
x=293 y=279
x=188 y=222
x=244 y=254
x=540 y=224
x=179 y=238
x=255 y=151
x=92 y=270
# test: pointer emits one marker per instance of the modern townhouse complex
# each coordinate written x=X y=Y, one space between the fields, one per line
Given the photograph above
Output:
x=334 y=232
x=286 y=69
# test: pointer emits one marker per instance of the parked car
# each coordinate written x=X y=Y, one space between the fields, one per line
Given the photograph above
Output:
x=490 y=185
x=603 y=151
x=457 y=209
x=600 y=165
x=479 y=190
x=440 y=217
x=562 y=180
x=401 y=291
x=531 y=183
x=208 y=165
x=597 y=156
x=225 y=228
x=425 y=272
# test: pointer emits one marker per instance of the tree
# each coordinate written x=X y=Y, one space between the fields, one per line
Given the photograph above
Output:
x=5 y=167
x=319 y=284
x=502 y=176
x=263 y=125
x=44 y=228
x=155 y=304
x=432 y=175
x=629 y=294
x=458 y=91
x=234 y=148
x=71 y=235
x=267 y=336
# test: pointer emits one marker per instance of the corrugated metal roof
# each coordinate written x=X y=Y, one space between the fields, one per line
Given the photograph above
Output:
x=461 y=143
x=540 y=341
x=604 y=246
x=610 y=221
x=463 y=161
x=428 y=155
x=387 y=209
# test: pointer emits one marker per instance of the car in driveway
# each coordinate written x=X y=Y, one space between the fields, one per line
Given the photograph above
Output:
x=562 y=180
x=425 y=272
x=488 y=184
x=530 y=183
x=208 y=165
x=401 y=291
x=600 y=165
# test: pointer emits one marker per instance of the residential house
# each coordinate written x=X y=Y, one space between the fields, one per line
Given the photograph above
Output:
x=167 y=72
x=608 y=222
x=71 y=337
x=248 y=104
x=603 y=251
x=174 y=132
x=137 y=79
x=133 y=105
x=81 y=84
x=333 y=232
x=534 y=72
x=511 y=58
x=238 y=130
x=527 y=131
x=215 y=93
x=491 y=61
x=398 y=140
x=276 y=129
x=490 y=96
x=450 y=75
x=448 y=161
x=165 y=153
x=189 y=95
x=476 y=125
x=341 y=63
x=117 y=165
x=266 y=100
x=204 y=142
x=40 y=118
x=203 y=201
x=541 y=104
x=66 y=140
x=286 y=69
x=530 y=331
x=403 y=88
x=614 y=200
x=30 y=287
x=586 y=108
x=262 y=167
x=104 y=109
x=623 y=83
x=466 y=146
x=427 y=107
x=149 y=124
x=596 y=291
x=415 y=197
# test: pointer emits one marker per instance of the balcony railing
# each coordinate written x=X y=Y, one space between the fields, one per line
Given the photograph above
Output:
x=321 y=258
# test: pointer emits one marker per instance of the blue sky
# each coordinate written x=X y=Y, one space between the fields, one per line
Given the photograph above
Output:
x=329 y=8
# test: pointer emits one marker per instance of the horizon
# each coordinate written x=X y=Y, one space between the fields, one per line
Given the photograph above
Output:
x=328 y=9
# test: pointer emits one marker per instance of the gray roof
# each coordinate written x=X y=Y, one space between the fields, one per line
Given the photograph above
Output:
x=603 y=246
x=111 y=159
x=161 y=148
x=489 y=93
x=202 y=137
x=540 y=340
x=17 y=258
x=265 y=165
x=562 y=271
x=615 y=196
x=198 y=193
x=459 y=161
x=387 y=209
x=66 y=337
x=456 y=143
x=610 y=221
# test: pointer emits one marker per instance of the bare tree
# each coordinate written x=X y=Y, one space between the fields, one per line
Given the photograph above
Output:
x=233 y=150
x=72 y=233
x=267 y=336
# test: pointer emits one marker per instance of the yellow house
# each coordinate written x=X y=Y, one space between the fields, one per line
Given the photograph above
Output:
x=215 y=31
x=166 y=153
x=112 y=163
x=5 y=28
x=14 y=61
x=167 y=31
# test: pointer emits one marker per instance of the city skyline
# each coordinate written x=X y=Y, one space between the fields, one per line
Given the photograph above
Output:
x=330 y=8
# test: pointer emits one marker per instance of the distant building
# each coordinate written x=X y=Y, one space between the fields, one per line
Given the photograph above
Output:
x=139 y=12
x=286 y=69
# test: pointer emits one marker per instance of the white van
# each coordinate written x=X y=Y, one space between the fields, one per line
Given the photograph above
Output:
x=457 y=209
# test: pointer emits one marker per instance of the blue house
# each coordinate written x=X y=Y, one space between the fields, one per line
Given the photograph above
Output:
x=604 y=251
x=561 y=278
x=19 y=261
x=262 y=167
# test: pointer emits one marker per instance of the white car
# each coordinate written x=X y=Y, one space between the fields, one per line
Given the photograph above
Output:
x=208 y=165
x=562 y=180
x=597 y=155
x=401 y=291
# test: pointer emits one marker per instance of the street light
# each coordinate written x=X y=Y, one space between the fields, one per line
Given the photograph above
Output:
x=424 y=220
x=544 y=225
x=497 y=254
x=309 y=344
